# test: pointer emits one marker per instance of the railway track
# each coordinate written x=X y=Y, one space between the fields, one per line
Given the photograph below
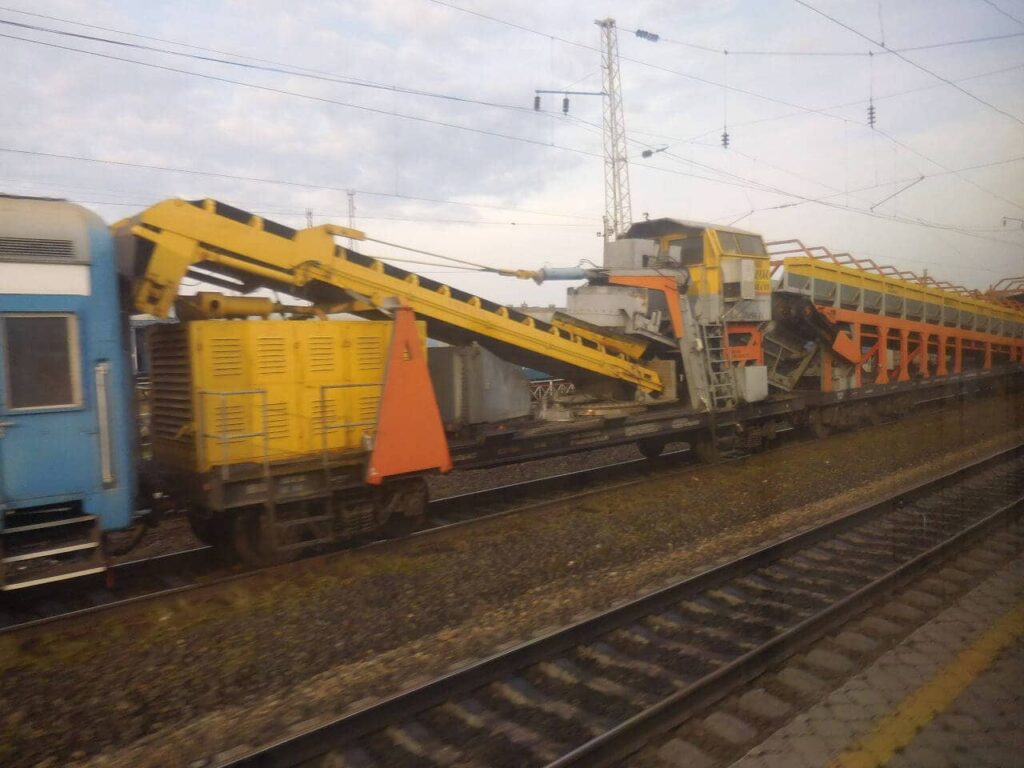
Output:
x=168 y=574
x=593 y=693
x=176 y=572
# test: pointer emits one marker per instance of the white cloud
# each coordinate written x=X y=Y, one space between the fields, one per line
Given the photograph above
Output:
x=76 y=104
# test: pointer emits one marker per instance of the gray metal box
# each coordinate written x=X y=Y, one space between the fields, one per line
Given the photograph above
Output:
x=629 y=254
x=474 y=386
x=752 y=381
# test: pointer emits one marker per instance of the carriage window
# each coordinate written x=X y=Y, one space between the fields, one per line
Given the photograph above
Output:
x=41 y=361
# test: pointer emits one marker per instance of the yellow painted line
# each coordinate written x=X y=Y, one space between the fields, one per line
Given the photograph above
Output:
x=918 y=709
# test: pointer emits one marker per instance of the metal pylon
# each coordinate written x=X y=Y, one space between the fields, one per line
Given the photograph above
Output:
x=618 y=209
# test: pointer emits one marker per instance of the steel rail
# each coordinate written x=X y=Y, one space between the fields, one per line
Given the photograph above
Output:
x=634 y=733
x=471 y=508
x=627 y=736
x=167 y=561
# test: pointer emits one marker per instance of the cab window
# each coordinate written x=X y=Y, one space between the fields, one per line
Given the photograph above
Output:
x=689 y=251
x=746 y=245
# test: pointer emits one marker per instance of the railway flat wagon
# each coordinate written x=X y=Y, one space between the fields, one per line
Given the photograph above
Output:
x=66 y=413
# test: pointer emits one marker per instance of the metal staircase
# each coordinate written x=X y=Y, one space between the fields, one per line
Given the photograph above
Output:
x=46 y=544
x=721 y=378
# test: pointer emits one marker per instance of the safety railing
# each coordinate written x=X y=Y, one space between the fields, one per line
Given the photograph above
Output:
x=326 y=428
x=548 y=388
x=227 y=437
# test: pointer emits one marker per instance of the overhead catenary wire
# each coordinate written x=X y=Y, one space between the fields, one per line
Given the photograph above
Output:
x=571 y=149
x=350 y=81
x=742 y=52
x=738 y=182
x=803 y=109
x=298 y=94
x=911 y=62
x=760 y=187
x=453 y=259
x=282 y=91
x=755 y=185
x=1004 y=12
x=285 y=182
x=282 y=69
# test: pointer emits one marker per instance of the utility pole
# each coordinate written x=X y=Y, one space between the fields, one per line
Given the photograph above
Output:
x=618 y=209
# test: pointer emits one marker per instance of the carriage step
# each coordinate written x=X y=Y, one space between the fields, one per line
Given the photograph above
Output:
x=47 y=544
x=45 y=553
x=14 y=530
x=70 y=573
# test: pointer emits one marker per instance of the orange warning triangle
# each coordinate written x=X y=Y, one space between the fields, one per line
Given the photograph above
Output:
x=410 y=435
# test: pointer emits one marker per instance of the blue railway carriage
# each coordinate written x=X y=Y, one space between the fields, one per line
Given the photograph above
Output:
x=67 y=470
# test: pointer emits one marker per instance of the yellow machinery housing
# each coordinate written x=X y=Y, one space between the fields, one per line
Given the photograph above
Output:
x=234 y=392
x=856 y=289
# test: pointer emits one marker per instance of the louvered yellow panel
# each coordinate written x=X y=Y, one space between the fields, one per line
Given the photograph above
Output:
x=322 y=399
x=224 y=416
x=276 y=369
x=284 y=389
x=244 y=378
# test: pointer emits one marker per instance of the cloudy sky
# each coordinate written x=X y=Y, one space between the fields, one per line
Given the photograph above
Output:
x=423 y=108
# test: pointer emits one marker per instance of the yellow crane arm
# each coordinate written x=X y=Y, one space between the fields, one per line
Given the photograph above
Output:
x=306 y=263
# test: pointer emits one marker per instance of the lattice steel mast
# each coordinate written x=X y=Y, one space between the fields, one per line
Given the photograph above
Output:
x=618 y=210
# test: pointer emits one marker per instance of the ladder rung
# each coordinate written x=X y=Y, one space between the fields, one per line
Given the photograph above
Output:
x=304 y=544
x=50 y=552
x=303 y=521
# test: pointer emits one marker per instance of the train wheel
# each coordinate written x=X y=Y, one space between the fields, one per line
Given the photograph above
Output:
x=254 y=541
x=651 y=447
x=202 y=526
x=706 y=448
x=213 y=530
x=402 y=506
x=817 y=426
x=874 y=415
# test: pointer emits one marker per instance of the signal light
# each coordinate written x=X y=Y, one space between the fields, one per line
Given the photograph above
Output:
x=565 y=105
x=536 y=103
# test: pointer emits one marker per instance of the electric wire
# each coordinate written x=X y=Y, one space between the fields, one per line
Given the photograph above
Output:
x=744 y=184
x=741 y=52
x=912 y=63
x=755 y=185
x=801 y=108
x=285 y=182
x=1003 y=12
x=276 y=68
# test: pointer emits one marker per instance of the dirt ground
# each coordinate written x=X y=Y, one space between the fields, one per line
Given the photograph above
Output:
x=180 y=682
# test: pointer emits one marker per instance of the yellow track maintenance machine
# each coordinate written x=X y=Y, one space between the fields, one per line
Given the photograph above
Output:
x=282 y=427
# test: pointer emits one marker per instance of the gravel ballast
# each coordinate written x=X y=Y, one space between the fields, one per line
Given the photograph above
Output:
x=179 y=682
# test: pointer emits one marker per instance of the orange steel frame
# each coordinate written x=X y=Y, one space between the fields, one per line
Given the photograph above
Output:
x=750 y=352
x=914 y=341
